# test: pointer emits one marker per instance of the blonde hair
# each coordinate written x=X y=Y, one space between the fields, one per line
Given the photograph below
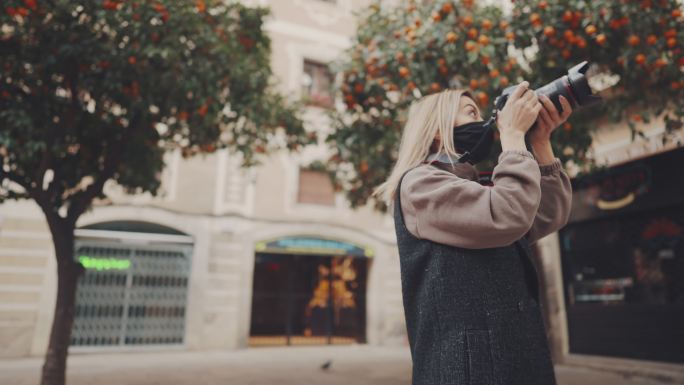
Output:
x=426 y=116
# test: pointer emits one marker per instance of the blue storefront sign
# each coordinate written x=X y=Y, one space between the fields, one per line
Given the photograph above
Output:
x=312 y=245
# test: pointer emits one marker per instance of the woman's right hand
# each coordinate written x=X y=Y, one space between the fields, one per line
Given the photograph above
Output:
x=520 y=111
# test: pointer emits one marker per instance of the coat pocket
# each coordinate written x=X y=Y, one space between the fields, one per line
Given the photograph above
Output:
x=478 y=357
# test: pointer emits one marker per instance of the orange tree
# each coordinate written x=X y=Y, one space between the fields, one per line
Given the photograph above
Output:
x=402 y=52
x=95 y=90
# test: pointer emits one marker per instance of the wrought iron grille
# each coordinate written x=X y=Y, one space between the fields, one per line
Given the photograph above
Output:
x=131 y=294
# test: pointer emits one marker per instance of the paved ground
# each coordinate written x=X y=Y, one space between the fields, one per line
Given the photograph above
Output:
x=350 y=365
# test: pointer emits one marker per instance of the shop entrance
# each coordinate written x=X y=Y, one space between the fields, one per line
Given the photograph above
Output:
x=134 y=288
x=308 y=299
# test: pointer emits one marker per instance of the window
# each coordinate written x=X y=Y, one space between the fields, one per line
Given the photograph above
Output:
x=317 y=81
x=315 y=187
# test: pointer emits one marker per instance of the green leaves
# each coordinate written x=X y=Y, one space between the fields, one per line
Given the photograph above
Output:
x=101 y=89
x=422 y=47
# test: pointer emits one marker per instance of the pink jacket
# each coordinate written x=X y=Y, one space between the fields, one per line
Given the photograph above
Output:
x=446 y=204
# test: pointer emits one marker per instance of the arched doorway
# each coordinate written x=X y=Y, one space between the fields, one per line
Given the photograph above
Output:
x=134 y=290
x=309 y=290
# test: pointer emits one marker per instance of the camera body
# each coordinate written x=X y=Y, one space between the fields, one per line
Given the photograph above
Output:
x=573 y=86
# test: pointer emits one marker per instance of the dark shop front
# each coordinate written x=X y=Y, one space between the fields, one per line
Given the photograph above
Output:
x=622 y=256
x=309 y=291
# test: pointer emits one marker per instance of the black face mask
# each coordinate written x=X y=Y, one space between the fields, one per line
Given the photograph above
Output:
x=474 y=140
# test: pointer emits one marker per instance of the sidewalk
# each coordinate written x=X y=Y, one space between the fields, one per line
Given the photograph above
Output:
x=349 y=365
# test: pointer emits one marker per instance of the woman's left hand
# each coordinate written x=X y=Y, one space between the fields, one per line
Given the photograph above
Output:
x=549 y=119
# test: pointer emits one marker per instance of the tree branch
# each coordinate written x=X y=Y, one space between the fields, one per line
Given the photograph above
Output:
x=82 y=200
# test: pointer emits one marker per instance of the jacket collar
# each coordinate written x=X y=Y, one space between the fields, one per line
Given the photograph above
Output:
x=463 y=170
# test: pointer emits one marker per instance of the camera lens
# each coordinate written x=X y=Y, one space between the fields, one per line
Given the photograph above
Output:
x=574 y=87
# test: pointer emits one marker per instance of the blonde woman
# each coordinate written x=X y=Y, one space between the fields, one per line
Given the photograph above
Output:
x=469 y=287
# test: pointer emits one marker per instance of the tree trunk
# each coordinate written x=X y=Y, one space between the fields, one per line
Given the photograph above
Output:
x=68 y=271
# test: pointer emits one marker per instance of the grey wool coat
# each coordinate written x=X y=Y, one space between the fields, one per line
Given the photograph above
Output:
x=472 y=315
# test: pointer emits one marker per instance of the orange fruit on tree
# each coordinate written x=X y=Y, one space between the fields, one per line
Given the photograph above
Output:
x=503 y=24
x=565 y=53
x=651 y=39
x=411 y=85
x=670 y=33
x=581 y=42
x=640 y=58
x=549 y=31
x=483 y=82
x=447 y=7
x=435 y=87
x=671 y=42
x=535 y=19
x=633 y=40
x=451 y=37
x=484 y=40
x=659 y=63
x=485 y=60
x=358 y=88
x=590 y=30
x=403 y=72
x=441 y=62
x=486 y=24
x=472 y=33
x=569 y=35
x=567 y=16
x=543 y=5
x=601 y=39
x=493 y=73
x=467 y=20
x=473 y=84
x=676 y=13
x=503 y=81
x=482 y=98
x=202 y=110
x=510 y=35
x=470 y=45
x=436 y=16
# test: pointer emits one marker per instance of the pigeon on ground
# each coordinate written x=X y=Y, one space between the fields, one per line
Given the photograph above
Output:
x=326 y=365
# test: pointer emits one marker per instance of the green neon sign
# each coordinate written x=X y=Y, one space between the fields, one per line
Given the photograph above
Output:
x=100 y=264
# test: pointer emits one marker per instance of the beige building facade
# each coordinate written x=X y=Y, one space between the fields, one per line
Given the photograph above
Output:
x=220 y=212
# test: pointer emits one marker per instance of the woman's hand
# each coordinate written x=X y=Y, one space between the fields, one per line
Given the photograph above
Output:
x=519 y=112
x=549 y=119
